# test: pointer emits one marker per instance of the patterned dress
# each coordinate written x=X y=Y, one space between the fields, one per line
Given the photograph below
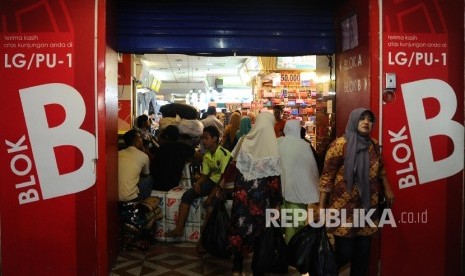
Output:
x=332 y=181
x=250 y=200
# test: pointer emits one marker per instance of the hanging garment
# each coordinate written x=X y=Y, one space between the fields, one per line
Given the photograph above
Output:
x=144 y=99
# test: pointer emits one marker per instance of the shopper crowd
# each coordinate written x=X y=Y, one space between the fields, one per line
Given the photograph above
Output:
x=277 y=169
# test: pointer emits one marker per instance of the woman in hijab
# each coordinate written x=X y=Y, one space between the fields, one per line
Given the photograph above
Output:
x=257 y=187
x=299 y=173
x=349 y=183
x=245 y=126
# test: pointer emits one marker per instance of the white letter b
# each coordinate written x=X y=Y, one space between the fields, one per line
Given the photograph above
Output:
x=45 y=138
x=421 y=128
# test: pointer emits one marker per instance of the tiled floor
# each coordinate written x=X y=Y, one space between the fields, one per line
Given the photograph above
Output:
x=175 y=259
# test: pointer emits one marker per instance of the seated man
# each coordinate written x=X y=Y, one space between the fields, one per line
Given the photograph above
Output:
x=170 y=158
x=214 y=163
x=134 y=180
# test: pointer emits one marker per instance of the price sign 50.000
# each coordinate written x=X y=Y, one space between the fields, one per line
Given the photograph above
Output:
x=290 y=78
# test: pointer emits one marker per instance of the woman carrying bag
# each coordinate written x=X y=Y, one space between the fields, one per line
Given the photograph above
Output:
x=257 y=187
x=349 y=182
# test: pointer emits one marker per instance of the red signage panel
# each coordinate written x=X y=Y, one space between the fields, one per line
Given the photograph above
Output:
x=423 y=136
x=48 y=148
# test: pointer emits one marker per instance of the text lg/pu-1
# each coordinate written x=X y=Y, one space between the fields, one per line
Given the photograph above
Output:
x=37 y=60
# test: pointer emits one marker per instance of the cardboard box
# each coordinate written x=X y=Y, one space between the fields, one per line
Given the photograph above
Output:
x=173 y=200
x=192 y=231
x=160 y=230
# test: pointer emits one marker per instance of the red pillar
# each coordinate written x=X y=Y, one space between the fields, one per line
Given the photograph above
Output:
x=421 y=129
x=58 y=142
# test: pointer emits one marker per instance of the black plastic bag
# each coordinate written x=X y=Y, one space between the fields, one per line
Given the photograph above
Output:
x=301 y=248
x=270 y=253
x=215 y=235
x=309 y=250
x=326 y=260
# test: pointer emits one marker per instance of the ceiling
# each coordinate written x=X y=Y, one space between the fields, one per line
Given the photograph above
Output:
x=191 y=69
x=179 y=73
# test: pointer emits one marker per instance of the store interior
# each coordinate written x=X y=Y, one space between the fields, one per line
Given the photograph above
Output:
x=303 y=85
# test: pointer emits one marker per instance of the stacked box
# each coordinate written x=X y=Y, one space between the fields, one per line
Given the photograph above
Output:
x=160 y=230
x=192 y=231
x=169 y=205
x=173 y=200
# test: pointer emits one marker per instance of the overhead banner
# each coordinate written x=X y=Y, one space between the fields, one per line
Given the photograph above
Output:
x=423 y=136
x=48 y=137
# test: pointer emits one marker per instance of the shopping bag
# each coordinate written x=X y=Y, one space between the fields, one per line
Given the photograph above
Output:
x=310 y=251
x=215 y=235
x=269 y=254
x=326 y=261
x=301 y=248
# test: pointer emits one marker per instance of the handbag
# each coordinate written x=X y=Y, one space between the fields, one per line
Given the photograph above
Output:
x=231 y=171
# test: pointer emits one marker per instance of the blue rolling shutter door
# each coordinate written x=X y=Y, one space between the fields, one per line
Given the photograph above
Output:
x=219 y=28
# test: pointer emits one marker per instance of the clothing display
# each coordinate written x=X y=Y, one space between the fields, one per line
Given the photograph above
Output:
x=144 y=100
